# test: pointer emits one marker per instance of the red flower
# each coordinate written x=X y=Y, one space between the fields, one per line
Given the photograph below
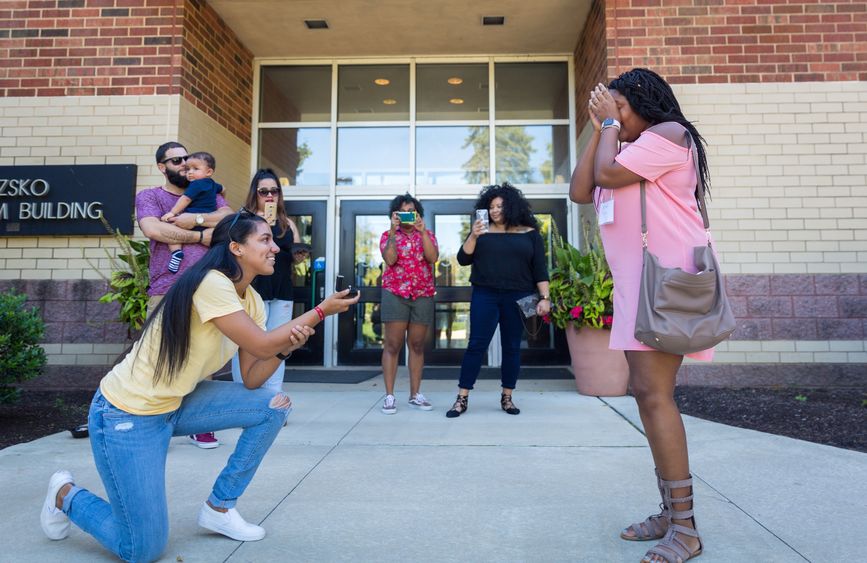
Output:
x=607 y=320
x=576 y=312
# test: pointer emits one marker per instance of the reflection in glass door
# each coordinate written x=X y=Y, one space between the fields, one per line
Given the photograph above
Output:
x=309 y=283
x=359 y=331
x=359 y=338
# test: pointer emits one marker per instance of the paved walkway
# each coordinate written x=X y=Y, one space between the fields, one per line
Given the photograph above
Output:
x=344 y=482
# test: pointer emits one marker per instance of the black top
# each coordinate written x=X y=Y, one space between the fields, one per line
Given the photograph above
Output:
x=512 y=261
x=279 y=284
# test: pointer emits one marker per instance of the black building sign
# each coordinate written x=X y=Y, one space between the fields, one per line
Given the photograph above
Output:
x=66 y=200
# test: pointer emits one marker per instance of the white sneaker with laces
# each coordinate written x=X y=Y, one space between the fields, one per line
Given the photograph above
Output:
x=230 y=524
x=389 y=406
x=54 y=521
x=421 y=402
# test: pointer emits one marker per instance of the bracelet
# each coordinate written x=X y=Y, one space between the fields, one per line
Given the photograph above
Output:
x=282 y=356
x=201 y=237
x=319 y=312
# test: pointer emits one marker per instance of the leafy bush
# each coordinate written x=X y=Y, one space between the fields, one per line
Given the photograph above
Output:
x=129 y=281
x=581 y=285
x=21 y=357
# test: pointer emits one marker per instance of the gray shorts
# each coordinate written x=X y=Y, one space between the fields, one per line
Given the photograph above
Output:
x=396 y=309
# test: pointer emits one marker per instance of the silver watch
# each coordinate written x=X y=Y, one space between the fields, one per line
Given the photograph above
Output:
x=200 y=219
x=610 y=122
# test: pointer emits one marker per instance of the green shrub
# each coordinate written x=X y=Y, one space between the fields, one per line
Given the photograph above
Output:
x=129 y=280
x=21 y=357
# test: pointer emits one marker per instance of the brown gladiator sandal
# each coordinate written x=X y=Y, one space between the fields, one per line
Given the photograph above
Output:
x=653 y=527
x=672 y=548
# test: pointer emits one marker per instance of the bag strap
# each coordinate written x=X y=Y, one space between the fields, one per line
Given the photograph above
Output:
x=699 y=190
x=533 y=333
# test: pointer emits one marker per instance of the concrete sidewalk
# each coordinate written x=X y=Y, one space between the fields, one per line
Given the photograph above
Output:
x=343 y=482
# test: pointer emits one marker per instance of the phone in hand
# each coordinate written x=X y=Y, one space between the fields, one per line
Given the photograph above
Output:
x=342 y=284
x=271 y=212
x=407 y=217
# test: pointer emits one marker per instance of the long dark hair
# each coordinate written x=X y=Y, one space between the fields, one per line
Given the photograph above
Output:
x=653 y=99
x=176 y=308
x=252 y=201
x=516 y=209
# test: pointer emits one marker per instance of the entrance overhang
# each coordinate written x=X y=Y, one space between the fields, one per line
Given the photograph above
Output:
x=376 y=28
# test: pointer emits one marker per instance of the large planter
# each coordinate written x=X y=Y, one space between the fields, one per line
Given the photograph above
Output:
x=598 y=371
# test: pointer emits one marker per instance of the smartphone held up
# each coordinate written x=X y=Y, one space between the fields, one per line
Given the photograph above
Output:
x=407 y=217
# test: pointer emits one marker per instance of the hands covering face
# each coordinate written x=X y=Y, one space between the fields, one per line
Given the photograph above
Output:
x=601 y=106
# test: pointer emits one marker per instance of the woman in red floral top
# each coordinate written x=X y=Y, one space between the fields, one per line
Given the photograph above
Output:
x=407 y=309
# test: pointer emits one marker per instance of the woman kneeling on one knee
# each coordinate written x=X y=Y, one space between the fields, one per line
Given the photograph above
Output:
x=159 y=390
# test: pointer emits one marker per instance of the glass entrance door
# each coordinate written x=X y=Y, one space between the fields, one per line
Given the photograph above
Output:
x=309 y=281
x=359 y=338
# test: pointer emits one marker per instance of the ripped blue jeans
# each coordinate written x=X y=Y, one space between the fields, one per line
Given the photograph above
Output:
x=130 y=454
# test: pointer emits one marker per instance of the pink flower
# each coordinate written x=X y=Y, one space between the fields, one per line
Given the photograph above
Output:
x=607 y=320
x=546 y=319
x=576 y=312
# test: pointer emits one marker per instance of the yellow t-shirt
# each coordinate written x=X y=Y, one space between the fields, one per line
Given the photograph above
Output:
x=129 y=385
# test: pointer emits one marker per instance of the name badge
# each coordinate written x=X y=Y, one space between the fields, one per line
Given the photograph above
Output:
x=606 y=212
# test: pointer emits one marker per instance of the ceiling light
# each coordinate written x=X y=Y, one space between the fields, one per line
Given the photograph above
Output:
x=382 y=81
x=455 y=80
x=316 y=24
x=493 y=20
x=456 y=101
x=389 y=101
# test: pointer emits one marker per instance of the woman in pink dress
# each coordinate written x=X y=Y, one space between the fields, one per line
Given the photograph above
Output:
x=640 y=110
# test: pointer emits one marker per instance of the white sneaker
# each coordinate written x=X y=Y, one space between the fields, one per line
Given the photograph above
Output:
x=389 y=406
x=230 y=524
x=54 y=522
x=421 y=402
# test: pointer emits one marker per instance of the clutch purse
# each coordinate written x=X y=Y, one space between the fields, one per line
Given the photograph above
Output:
x=527 y=305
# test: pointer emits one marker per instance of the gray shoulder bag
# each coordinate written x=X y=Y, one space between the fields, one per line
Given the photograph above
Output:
x=679 y=312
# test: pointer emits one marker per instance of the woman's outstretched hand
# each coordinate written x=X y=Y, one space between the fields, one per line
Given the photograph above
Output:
x=338 y=302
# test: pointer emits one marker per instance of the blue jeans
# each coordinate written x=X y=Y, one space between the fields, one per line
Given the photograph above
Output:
x=130 y=454
x=488 y=307
x=277 y=312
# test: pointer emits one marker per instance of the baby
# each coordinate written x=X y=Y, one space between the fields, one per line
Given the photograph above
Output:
x=199 y=197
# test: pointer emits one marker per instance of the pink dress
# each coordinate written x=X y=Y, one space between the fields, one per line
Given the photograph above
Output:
x=674 y=226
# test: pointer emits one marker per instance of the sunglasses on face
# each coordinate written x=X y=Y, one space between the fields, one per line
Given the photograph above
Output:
x=176 y=160
x=268 y=191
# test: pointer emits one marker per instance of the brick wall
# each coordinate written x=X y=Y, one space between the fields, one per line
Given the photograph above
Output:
x=799 y=307
x=124 y=48
x=739 y=40
x=217 y=70
x=89 y=47
x=590 y=60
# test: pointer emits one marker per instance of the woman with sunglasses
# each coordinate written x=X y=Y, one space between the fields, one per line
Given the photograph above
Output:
x=265 y=199
x=159 y=391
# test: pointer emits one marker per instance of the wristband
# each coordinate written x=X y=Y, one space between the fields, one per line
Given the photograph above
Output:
x=282 y=356
x=319 y=312
x=201 y=237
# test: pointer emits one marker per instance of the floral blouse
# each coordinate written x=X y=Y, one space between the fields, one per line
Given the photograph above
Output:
x=411 y=276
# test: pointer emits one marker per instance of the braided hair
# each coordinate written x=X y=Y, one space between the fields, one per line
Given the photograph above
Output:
x=651 y=97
